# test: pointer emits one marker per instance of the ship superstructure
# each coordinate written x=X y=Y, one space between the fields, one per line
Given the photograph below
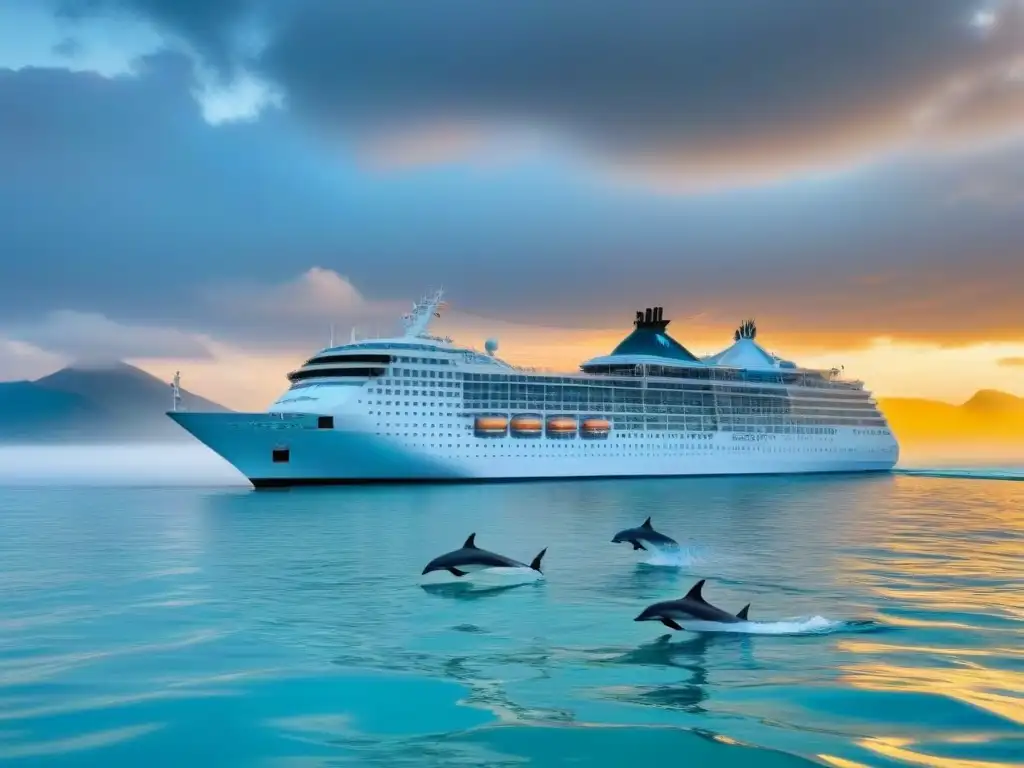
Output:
x=420 y=408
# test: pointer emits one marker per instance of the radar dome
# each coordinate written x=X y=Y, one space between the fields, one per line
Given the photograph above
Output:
x=491 y=345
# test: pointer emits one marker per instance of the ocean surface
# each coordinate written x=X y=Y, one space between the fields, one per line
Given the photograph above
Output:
x=154 y=611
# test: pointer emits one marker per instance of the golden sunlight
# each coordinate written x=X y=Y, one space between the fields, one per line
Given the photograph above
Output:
x=891 y=369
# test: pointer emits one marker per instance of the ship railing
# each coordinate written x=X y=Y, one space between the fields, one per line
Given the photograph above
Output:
x=722 y=373
x=532 y=369
x=511 y=366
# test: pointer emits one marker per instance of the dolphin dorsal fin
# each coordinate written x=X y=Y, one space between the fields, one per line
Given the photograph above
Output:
x=470 y=542
x=744 y=614
x=694 y=593
x=647 y=524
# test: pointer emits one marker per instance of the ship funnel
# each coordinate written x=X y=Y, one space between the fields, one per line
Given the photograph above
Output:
x=648 y=315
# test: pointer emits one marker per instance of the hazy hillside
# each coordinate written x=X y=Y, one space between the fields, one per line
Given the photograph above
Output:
x=26 y=409
x=989 y=416
x=113 y=403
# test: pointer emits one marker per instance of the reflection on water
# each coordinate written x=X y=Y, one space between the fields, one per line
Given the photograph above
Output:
x=950 y=566
x=222 y=626
x=686 y=694
x=460 y=591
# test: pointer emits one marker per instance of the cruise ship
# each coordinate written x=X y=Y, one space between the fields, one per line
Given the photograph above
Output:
x=422 y=408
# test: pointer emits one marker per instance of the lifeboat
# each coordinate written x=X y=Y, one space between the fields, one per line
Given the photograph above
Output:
x=490 y=426
x=527 y=425
x=561 y=426
x=595 y=428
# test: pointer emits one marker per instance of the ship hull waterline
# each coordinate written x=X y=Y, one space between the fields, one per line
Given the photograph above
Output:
x=276 y=451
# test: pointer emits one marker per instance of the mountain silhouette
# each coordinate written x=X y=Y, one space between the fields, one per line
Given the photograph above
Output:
x=110 y=403
x=991 y=401
x=988 y=416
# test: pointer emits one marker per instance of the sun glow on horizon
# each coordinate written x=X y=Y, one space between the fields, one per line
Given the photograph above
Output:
x=890 y=369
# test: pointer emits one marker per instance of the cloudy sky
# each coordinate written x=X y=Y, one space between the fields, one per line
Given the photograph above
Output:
x=208 y=184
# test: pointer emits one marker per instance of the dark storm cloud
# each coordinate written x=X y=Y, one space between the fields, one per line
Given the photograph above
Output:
x=116 y=198
x=682 y=88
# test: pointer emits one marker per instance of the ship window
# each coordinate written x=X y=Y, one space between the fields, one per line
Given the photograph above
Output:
x=348 y=358
x=280 y=455
x=325 y=422
x=333 y=372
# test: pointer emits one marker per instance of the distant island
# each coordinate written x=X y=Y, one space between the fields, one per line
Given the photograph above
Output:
x=121 y=403
x=110 y=403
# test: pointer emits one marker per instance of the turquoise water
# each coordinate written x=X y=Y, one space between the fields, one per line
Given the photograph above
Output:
x=220 y=626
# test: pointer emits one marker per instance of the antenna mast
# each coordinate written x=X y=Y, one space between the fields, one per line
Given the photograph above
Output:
x=176 y=391
x=423 y=311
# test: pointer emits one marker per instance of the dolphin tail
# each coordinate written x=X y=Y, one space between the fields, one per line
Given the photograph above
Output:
x=536 y=561
x=742 y=615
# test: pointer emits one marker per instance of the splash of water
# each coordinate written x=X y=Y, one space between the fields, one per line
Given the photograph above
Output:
x=486 y=577
x=505 y=576
x=675 y=557
x=800 y=625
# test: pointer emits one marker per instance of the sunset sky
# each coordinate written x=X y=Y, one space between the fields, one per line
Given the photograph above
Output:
x=206 y=185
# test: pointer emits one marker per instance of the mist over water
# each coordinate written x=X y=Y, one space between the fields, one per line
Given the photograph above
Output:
x=142 y=464
x=189 y=463
x=967 y=456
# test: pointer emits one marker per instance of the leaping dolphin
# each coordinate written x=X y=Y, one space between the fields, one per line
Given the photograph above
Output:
x=471 y=558
x=693 y=607
x=645 y=533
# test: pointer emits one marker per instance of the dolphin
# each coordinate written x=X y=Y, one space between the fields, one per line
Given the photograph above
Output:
x=645 y=533
x=693 y=607
x=471 y=558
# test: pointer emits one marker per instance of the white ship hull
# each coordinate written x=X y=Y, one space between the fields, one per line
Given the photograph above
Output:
x=420 y=409
x=350 y=453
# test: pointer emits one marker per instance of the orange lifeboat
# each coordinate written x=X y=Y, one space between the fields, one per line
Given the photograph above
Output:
x=561 y=426
x=526 y=425
x=594 y=427
x=490 y=426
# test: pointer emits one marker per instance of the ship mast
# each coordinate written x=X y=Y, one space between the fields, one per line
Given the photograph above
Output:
x=423 y=311
x=176 y=391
